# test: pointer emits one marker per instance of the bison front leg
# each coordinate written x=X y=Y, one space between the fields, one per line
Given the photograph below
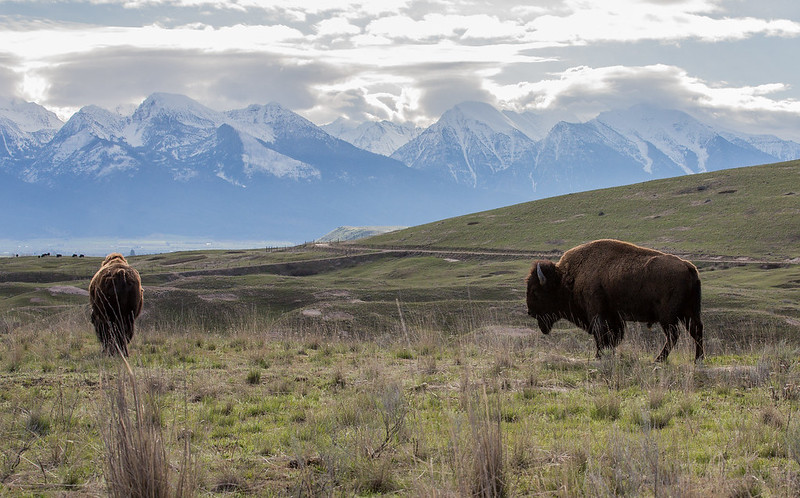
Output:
x=599 y=329
x=672 y=332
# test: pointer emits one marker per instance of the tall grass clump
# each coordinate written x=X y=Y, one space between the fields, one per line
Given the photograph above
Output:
x=137 y=463
x=478 y=453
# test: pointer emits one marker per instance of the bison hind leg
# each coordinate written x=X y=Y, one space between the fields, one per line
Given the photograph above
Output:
x=104 y=331
x=120 y=339
x=695 y=328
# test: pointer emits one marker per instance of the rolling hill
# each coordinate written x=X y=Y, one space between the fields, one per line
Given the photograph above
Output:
x=746 y=212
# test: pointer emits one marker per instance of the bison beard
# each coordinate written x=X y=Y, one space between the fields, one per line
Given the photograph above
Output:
x=600 y=285
x=116 y=297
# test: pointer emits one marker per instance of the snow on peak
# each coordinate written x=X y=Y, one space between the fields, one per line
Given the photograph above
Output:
x=263 y=121
x=28 y=116
x=102 y=123
x=379 y=137
x=175 y=110
x=259 y=159
x=535 y=126
x=179 y=107
x=672 y=132
x=256 y=120
x=468 y=114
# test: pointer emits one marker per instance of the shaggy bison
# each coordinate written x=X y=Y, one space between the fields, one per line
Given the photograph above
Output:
x=116 y=296
x=600 y=285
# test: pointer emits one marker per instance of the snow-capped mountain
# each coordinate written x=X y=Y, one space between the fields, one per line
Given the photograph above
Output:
x=471 y=143
x=476 y=145
x=380 y=137
x=687 y=143
x=89 y=143
x=175 y=166
x=24 y=126
x=29 y=117
x=769 y=144
x=534 y=125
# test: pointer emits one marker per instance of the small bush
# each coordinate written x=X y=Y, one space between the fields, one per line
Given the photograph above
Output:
x=37 y=422
x=405 y=354
x=254 y=377
x=606 y=407
x=137 y=463
x=652 y=419
x=772 y=417
x=478 y=457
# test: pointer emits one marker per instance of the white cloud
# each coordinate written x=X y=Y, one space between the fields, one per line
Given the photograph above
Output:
x=397 y=59
x=51 y=42
x=336 y=26
x=634 y=20
x=446 y=26
x=586 y=91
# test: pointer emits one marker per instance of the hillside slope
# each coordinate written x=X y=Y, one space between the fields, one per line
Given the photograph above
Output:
x=745 y=212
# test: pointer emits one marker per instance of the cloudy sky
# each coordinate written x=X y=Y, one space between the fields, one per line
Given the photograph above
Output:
x=734 y=61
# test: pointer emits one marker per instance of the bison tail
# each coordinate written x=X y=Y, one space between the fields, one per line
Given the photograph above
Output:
x=696 y=301
x=695 y=323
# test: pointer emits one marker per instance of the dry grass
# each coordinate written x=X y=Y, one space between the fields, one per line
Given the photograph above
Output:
x=137 y=460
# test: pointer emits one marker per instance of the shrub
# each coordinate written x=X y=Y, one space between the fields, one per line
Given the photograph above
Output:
x=606 y=407
x=254 y=377
x=137 y=463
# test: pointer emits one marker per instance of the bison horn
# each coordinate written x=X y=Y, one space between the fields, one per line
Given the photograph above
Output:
x=540 y=274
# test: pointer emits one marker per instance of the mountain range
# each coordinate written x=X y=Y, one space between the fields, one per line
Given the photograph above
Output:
x=174 y=166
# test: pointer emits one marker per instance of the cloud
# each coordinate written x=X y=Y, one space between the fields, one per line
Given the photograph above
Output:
x=634 y=20
x=222 y=81
x=337 y=26
x=10 y=80
x=399 y=59
x=434 y=27
x=585 y=92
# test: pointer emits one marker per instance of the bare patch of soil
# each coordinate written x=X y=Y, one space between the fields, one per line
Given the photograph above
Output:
x=67 y=289
x=219 y=297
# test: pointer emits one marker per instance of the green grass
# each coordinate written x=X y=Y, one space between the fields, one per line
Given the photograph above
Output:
x=749 y=212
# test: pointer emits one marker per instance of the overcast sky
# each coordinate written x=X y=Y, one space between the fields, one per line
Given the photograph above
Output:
x=735 y=61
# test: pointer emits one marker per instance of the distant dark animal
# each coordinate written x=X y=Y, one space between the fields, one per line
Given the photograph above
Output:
x=600 y=285
x=116 y=297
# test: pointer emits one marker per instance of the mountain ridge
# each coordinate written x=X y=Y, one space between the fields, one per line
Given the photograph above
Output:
x=265 y=172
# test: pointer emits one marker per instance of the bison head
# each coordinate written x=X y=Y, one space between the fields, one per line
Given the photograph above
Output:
x=543 y=282
x=115 y=256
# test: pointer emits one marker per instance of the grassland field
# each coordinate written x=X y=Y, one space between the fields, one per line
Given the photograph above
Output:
x=406 y=365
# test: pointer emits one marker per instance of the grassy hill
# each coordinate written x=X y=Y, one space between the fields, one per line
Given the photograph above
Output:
x=753 y=212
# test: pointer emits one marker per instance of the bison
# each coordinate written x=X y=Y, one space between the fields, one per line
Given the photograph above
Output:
x=600 y=285
x=116 y=297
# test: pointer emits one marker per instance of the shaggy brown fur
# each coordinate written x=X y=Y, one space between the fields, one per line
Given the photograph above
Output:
x=600 y=285
x=116 y=296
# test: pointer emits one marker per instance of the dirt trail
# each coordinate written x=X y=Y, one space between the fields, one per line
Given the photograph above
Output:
x=555 y=254
x=347 y=256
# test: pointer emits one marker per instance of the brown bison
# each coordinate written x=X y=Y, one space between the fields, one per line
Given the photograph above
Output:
x=116 y=296
x=600 y=285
